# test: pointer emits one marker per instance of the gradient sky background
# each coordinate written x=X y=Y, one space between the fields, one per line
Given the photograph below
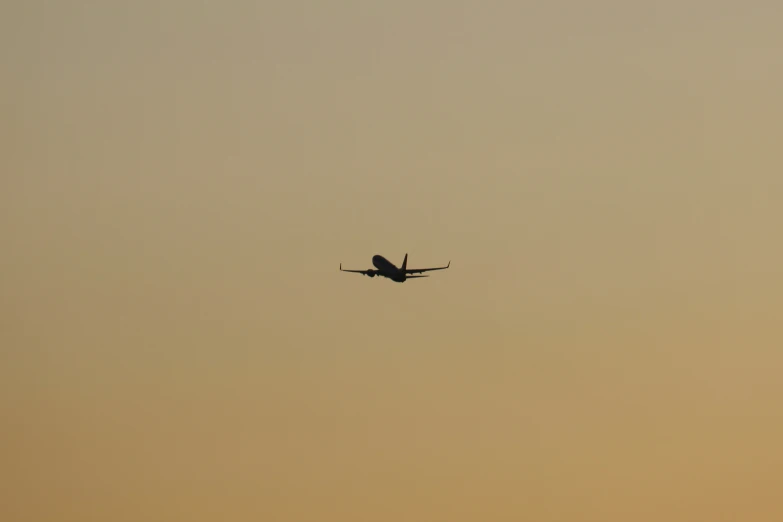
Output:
x=180 y=181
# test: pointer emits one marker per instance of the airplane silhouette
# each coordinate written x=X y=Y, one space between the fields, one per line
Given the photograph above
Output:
x=386 y=268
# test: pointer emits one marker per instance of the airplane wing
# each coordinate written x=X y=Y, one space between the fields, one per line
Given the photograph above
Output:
x=364 y=272
x=420 y=270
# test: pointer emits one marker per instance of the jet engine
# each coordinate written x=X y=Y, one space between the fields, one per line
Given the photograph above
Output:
x=370 y=273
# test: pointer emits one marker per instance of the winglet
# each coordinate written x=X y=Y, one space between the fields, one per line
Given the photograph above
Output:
x=341 y=267
x=449 y=264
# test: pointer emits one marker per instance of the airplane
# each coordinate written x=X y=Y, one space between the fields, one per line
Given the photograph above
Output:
x=386 y=268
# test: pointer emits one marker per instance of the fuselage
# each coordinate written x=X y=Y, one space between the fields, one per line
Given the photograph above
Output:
x=388 y=269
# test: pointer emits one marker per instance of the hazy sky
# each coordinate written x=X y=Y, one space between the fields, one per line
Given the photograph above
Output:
x=180 y=180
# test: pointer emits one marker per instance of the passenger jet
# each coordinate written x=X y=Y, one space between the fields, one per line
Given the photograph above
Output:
x=386 y=268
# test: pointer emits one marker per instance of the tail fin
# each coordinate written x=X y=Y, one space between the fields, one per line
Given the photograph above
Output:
x=404 y=263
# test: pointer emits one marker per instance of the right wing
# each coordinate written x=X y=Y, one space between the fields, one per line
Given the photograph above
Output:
x=420 y=270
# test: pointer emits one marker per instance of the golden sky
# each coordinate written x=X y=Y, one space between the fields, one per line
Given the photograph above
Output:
x=180 y=180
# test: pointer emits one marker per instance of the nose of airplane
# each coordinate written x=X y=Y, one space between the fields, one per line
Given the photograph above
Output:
x=379 y=261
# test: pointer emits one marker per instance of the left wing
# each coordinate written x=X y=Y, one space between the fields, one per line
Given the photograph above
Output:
x=420 y=270
x=365 y=272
